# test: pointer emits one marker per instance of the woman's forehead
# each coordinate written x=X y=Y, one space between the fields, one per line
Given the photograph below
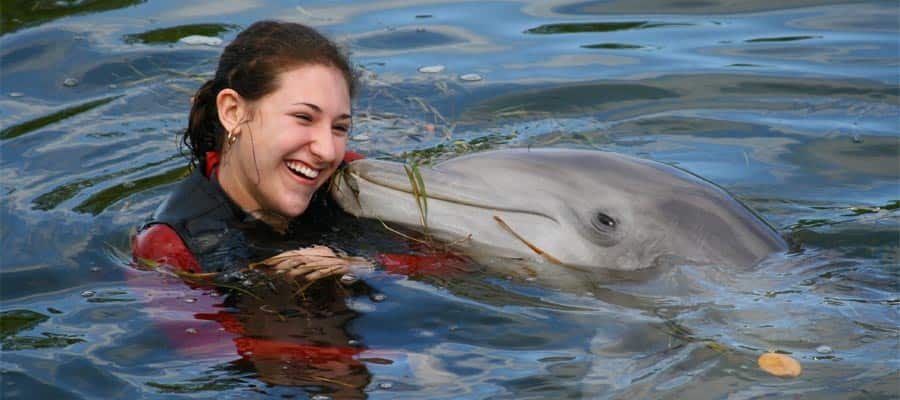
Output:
x=321 y=86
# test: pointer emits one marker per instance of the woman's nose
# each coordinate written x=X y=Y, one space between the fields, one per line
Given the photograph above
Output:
x=322 y=145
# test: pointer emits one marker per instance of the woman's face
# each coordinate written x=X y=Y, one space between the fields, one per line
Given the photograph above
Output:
x=289 y=142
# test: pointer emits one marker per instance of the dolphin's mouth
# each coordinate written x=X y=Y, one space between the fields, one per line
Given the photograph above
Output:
x=433 y=184
x=458 y=207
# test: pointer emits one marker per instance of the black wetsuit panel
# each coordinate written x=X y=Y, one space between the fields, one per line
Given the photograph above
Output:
x=218 y=233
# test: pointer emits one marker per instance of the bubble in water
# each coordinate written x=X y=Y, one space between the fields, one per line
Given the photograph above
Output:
x=88 y=293
x=16 y=94
x=385 y=385
x=70 y=82
x=857 y=138
x=431 y=69
x=200 y=40
x=823 y=349
x=470 y=77
x=378 y=297
x=320 y=397
x=190 y=300
x=192 y=331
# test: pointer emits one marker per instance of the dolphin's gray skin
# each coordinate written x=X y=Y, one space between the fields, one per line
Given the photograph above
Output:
x=586 y=210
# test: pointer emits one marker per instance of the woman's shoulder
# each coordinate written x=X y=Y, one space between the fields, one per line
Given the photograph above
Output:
x=193 y=196
x=195 y=204
x=159 y=243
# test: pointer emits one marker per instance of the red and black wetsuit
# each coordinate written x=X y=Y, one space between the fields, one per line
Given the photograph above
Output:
x=289 y=342
x=200 y=229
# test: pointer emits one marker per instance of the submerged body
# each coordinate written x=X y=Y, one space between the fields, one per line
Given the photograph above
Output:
x=585 y=210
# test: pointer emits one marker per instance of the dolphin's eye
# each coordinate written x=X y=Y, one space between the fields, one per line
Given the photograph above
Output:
x=603 y=222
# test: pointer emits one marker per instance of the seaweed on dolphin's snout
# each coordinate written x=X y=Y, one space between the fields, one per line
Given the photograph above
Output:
x=530 y=245
x=417 y=188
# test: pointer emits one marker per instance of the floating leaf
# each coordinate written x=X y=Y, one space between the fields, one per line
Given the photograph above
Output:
x=779 y=365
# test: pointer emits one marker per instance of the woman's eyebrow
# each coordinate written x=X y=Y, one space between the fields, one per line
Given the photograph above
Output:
x=319 y=110
x=310 y=105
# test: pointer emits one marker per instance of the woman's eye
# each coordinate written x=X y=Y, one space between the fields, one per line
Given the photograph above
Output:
x=341 y=129
x=303 y=117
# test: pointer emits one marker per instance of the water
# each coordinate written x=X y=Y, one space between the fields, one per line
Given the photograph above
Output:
x=792 y=107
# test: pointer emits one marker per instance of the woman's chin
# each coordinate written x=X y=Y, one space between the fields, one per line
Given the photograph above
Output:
x=294 y=208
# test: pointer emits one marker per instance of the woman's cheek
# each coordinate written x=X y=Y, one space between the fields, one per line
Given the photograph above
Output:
x=340 y=149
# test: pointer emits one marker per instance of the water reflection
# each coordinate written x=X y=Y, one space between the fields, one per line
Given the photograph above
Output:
x=22 y=14
x=406 y=39
x=791 y=106
x=582 y=27
x=701 y=7
x=299 y=340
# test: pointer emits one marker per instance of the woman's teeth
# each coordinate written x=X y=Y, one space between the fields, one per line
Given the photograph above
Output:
x=302 y=170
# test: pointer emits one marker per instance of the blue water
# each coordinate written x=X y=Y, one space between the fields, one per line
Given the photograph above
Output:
x=793 y=107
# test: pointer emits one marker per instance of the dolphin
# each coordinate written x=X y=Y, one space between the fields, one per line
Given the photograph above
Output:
x=585 y=210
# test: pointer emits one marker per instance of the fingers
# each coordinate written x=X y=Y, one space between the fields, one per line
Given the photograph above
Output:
x=307 y=267
x=314 y=263
x=325 y=272
x=321 y=251
x=292 y=258
x=359 y=264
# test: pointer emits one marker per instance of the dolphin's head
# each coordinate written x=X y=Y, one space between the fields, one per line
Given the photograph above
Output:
x=583 y=209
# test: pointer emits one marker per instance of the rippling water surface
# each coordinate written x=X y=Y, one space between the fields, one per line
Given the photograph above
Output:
x=792 y=106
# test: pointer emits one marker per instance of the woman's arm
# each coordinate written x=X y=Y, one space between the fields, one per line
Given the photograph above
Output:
x=161 y=244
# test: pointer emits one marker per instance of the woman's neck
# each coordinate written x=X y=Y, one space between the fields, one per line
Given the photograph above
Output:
x=226 y=173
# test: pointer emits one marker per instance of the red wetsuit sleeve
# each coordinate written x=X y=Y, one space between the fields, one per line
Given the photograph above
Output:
x=160 y=243
x=350 y=156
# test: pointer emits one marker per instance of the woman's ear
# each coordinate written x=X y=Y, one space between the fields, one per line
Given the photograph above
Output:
x=232 y=109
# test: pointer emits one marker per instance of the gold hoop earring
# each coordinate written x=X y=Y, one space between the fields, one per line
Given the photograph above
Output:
x=231 y=138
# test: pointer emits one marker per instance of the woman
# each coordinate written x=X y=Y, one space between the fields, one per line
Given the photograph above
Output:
x=264 y=135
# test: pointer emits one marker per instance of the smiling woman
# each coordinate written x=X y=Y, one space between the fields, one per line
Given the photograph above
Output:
x=264 y=135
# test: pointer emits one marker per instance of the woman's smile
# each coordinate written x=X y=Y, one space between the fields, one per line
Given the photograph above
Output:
x=299 y=169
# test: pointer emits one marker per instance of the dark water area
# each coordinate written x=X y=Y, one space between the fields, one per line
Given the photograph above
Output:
x=792 y=107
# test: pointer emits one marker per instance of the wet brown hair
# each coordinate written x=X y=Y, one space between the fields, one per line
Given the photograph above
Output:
x=250 y=65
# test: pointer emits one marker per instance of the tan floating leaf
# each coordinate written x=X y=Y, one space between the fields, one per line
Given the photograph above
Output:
x=780 y=365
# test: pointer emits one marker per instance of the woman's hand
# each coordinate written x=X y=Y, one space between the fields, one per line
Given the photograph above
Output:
x=314 y=263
